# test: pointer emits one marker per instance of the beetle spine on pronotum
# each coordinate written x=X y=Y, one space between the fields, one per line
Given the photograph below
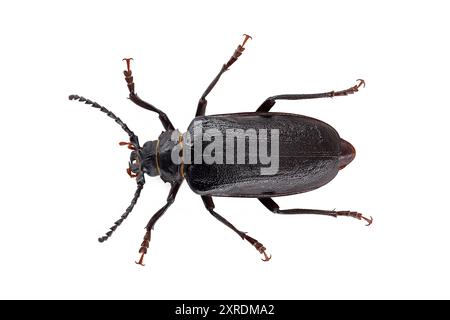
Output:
x=259 y=154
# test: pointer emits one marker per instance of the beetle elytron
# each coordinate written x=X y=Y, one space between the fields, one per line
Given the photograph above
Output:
x=310 y=155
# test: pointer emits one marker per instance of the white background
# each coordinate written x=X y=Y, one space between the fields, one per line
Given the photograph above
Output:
x=63 y=180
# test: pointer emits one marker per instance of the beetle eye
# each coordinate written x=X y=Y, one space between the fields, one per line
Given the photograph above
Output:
x=135 y=162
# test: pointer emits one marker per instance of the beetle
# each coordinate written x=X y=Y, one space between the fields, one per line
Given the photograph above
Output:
x=310 y=154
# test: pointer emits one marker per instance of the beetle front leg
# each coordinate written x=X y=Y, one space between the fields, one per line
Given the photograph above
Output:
x=209 y=204
x=147 y=237
x=141 y=103
x=270 y=204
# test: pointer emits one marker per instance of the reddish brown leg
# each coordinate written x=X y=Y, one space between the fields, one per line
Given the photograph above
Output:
x=144 y=246
x=129 y=75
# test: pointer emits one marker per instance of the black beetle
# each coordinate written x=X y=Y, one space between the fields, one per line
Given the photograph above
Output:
x=309 y=154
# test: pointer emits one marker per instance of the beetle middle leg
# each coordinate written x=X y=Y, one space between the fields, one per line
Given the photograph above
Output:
x=141 y=103
x=209 y=204
x=201 y=108
x=270 y=102
x=270 y=204
x=146 y=241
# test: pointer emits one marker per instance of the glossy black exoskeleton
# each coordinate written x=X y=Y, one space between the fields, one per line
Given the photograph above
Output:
x=305 y=154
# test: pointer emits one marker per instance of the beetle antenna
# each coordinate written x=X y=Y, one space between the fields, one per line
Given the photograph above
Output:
x=133 y=138
x=125 y=215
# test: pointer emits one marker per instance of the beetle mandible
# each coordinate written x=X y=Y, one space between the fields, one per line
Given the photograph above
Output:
x=310 y=154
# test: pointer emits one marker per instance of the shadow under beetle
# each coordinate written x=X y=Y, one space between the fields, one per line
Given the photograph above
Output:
x=310 y=155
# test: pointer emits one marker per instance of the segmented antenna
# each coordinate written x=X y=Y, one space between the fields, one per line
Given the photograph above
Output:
x=133 y=137
x=133 y=140
x=125 y=215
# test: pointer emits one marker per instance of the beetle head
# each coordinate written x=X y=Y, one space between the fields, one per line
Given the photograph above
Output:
x=142 y=160
x=134 y=169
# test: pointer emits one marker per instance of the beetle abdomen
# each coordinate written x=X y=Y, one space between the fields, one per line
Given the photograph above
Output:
x=308 y=155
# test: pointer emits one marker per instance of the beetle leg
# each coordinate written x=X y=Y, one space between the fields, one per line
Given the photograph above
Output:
x=129 y=75
x=201 y=107
x=270 y=204
x=141 y=260
x=144 y=246
x=141 y=103
x=270 y=102
x=147 y=237
x=350 y=90
x=355 y=215
x=209 y=204
x=259 y=246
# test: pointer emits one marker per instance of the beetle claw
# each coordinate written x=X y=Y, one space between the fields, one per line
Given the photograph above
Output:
x=368 y=220
x=261 y=249
x=359 y=216
x=128 y=63
x=245 y=39
x=266 y=257
x=258 y=246
x=141 y=260
x=361 y=83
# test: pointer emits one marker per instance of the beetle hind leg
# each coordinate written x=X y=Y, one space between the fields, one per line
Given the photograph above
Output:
x=355 y=215
x=258 y=246
x=270 y=102
x=270 y=204
x=209 y=204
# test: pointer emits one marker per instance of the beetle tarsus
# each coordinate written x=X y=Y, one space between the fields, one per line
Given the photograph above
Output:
x=237 y=53
x=129 y=75
x=144 y=247
x=351 y=90
x=355 y=215
x=258 y=246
